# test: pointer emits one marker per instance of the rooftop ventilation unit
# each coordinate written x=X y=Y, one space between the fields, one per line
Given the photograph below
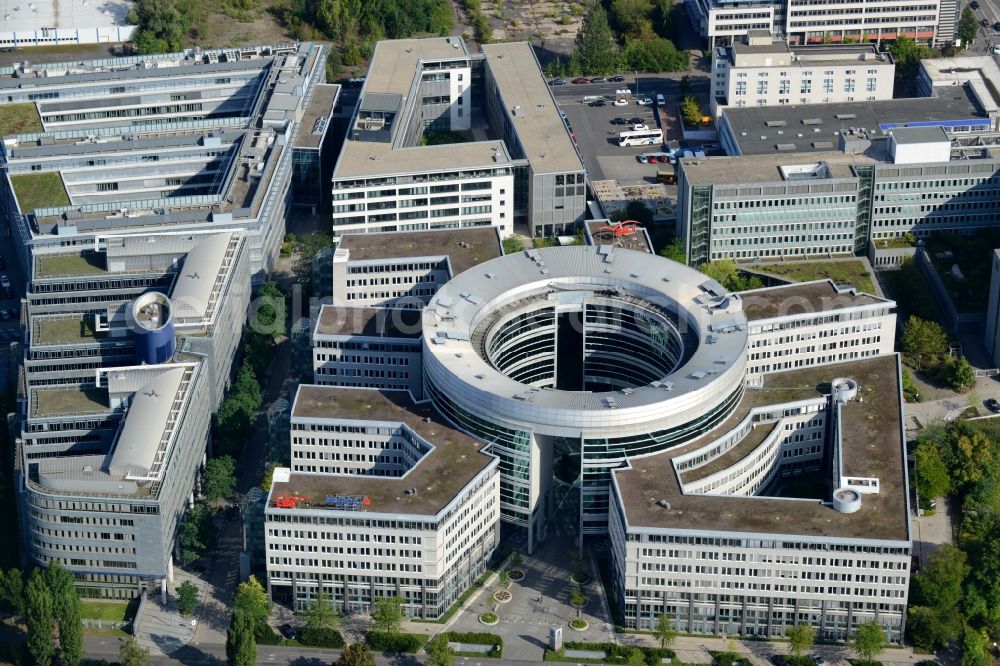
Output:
x=812 y=121
x=775 y=123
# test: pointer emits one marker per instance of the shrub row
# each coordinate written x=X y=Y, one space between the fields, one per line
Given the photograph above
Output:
x=477 y=638
x=400 y=642
x=321 y=637
x=617 y=654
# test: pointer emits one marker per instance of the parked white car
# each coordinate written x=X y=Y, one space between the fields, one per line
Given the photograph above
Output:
x=620 y=102
x=644 y=101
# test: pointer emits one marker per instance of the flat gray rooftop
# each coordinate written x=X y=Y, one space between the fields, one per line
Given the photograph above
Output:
x=765 y=168
x=394 y=61
x=820 y=296
x=372 y=322
x=438 y=477
x=873 y=447
x=321 y=105
x=756 y=129
x=464 y=247
x=540 y=128
x=904 y=135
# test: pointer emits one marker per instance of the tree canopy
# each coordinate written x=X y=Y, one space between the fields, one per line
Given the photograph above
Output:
x=921 y=336
x=388 y=615
x=187 y=597
x=664 y=631
x=132 y=654
x=356 y=654
x=595 y=45
x=800 y=639
x=675 y=250
x=241 y=648
x=907 y=53
x=968 y=27
x=196 y=534
x=869 y=641
x=219 y=478
x=40 y=620
x=726 y=273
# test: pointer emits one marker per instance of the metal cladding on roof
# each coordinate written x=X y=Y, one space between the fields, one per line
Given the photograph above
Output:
x=542 y=278
x=196 y=279
x=142 y=429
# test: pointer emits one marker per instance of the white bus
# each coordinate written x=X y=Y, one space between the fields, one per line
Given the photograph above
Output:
x=647 y=137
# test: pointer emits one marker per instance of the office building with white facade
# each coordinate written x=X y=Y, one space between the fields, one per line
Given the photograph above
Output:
x=577 y=365
x=129 y=349
x=403 y=270
x=188 y=142
x=766 y=71
x=811 y=22
x=909 y=180
x=514 y=162
x=382 y=499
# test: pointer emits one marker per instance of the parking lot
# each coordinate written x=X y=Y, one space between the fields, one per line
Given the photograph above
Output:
x=597 y=136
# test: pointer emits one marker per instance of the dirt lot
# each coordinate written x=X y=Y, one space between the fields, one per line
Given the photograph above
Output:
x=550 y=25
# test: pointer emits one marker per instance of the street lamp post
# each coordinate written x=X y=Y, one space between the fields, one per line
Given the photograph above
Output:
x=636 y=83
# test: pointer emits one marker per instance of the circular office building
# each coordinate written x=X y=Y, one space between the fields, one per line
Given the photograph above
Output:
x=571 y=360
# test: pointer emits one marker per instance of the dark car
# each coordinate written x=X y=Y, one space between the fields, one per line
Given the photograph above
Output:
x=598 y=79
x=598 y=102
x=616 y=79
x=580 y=80
x=996 y=27
x=288 y=631
x=974 y=5
x=619 y=121
x=636 y=121
x=557 y=82
x=993 y=404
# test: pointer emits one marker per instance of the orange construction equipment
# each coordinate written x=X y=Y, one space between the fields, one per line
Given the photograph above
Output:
x=288 y=501
x=619 y=229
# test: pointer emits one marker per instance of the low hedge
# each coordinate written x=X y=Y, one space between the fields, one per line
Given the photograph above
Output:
x=401 y=642
x=263 y=634
x=729 y=659
x=321 y=637
x=476 y=638
x=616 y=654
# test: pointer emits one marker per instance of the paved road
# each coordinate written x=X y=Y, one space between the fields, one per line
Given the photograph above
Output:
x=644 y=84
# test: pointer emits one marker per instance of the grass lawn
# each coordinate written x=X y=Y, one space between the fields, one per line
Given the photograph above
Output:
x=111 y=611
x=850 y=272
x=39 y=190
x=19 y=119
x=442 y=137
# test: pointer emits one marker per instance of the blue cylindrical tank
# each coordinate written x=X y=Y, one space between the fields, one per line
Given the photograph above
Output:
x=151 y=320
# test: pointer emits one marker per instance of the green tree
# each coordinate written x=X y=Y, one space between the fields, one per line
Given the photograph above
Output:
x=196 y=534
x=633 y=16
x=691 y=111
x=726 y=273
x=40 y=621
x=320 y=613
x=930 y=629
x=800 y=639
x=132 y=654
x=219 y=478
x=907 y=53
x=962 y=377
x=923 y=337
x=664 y=631
x=595 y=45
x=60 y=584
x=269 y=308
x=187 y=597
x=504 y=579
x=933 y=479
x=675 y=251
x=12 y=591
x=388 y=615
x=241 y=649
x=974 y=650
x=357 y=654
x=654 y=54
x=251 y=597
x=941 y=581
x=869 y=641
x=439 y=653
x=968 y=27
x=71 y=635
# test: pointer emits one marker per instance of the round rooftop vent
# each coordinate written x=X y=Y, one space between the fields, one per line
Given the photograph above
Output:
x=846 y=500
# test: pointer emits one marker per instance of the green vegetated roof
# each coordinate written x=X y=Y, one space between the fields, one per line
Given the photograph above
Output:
x=39 y=190
x=19 y=119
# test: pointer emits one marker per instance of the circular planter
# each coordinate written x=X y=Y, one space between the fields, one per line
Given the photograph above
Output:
x=579 y=624
x=501 y=596
x=580 y=578
x=486 y=617
x=516 y=575
x=583 y=605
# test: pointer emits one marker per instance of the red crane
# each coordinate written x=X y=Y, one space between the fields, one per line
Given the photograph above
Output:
x=619 y=229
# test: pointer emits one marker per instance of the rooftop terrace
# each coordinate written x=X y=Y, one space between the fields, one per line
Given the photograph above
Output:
x=464 y=247
x=73 y=264
x=38 y=190
x=438 y=477
x=73 y=329
x=873 y=446
x=68 y=401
